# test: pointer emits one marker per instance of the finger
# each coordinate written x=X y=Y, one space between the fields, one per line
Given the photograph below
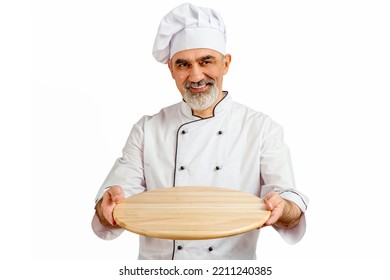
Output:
x=269 y=205
x=108 y=207
x=275 y=205
x=271 y=200
x=107 y=212
x=116 y=194
x=112 y=196
x=272 y=218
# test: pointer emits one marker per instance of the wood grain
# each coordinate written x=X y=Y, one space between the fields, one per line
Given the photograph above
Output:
x=191 y=213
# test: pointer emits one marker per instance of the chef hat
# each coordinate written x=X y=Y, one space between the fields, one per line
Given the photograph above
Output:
x=189 y=27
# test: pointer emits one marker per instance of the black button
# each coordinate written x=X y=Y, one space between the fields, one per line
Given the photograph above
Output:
x=179 y=247
x=183 y=132
x=217 y=168
x=182 y=168
x=210 y=249
x=220 y=132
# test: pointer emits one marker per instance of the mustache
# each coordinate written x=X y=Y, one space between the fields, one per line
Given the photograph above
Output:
x=201 y=83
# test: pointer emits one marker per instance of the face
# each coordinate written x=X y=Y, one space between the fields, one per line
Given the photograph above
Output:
x=198 y=74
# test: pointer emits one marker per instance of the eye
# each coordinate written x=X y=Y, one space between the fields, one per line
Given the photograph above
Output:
x=205 y=62
x=181 y=65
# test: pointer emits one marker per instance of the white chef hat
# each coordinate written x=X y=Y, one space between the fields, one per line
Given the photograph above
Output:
x=189 y=27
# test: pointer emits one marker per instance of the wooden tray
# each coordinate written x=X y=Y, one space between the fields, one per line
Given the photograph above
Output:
x=191 y=213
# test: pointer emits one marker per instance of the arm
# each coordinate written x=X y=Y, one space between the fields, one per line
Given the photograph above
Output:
x=126 y=178
x=286 y=203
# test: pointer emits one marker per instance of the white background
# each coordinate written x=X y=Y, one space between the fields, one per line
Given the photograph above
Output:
x=79 y=73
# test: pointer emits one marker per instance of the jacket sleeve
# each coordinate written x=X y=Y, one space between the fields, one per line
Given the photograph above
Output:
x=127 y=172
x=277 y=175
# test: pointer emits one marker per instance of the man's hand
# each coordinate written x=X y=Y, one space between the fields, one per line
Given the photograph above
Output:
x=105 y=206
x=284 y=213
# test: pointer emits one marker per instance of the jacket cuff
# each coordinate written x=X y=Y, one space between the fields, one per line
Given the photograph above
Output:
x=298 y=198
x=295 y=234
x=103 y=232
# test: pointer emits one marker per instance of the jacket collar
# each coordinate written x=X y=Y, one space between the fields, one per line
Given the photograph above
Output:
x=221 y=106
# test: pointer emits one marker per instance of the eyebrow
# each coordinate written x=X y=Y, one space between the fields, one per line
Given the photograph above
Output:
x=181 y=61
x=207 y=57
x=203 y=58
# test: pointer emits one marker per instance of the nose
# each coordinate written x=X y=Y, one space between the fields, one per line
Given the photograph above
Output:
x=196 y=74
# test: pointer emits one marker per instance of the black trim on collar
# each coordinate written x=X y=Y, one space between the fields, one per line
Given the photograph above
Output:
x=225 y=92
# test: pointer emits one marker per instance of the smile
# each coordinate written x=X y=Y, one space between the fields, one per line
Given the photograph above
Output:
x=200 y=86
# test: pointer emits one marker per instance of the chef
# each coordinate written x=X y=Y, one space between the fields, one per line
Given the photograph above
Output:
x=207 y=139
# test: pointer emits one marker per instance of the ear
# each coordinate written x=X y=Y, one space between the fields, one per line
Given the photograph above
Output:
x=169 y=67
x=228 y=59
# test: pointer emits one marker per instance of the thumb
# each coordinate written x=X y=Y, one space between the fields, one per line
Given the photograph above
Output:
x=271 y=200
x=269 y=205
x=268 y=202
x=116 y=194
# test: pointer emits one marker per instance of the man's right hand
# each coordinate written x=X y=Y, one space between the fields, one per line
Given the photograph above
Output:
x=105 y=206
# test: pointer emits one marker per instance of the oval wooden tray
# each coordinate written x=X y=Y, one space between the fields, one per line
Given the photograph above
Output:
x=191 y=213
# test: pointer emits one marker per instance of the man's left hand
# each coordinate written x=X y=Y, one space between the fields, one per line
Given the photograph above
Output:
x=284 y=213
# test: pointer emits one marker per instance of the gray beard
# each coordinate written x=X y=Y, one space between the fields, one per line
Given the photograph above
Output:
x=203 y=100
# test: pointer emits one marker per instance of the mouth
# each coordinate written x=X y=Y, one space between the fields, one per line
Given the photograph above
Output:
x=200 y=86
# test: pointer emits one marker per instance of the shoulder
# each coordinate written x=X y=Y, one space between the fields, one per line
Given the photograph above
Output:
x=162 y=114
x=249 y=115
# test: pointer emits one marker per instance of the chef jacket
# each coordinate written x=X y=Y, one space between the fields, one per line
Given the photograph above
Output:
x=237 y=148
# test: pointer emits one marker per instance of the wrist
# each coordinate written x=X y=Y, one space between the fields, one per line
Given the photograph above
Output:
x=290 y=217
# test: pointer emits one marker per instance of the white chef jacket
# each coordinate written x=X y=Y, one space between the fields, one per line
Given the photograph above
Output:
x=238 y=148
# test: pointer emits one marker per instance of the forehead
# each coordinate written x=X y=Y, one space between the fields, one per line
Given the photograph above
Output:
x=195 y=54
